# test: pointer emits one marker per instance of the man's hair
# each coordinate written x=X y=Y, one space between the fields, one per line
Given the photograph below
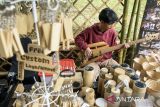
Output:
x=108 y=16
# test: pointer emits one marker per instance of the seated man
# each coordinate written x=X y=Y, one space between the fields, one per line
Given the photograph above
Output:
x=100 y=32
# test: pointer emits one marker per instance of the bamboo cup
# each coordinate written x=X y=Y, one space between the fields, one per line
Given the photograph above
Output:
x=116 y=93
x=118 y=71
x=139 y=89
x=88 y=76
x=90 y=96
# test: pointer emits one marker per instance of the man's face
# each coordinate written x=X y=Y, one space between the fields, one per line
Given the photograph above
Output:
x=107 y=26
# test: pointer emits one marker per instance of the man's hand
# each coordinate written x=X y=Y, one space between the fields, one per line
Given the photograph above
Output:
x=126 y=45
x=88 y=52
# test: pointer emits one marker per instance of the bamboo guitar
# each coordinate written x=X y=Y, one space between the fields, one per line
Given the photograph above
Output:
x=100 y=48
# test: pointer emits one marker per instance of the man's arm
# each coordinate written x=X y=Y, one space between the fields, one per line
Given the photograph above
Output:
x=80 y=41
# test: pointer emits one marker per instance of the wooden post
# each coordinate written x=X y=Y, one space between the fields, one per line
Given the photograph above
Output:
x=137 y=26
x=124 y=27
x=131 y=26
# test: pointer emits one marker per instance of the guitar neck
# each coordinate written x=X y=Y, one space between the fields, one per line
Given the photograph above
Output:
x=106 y=49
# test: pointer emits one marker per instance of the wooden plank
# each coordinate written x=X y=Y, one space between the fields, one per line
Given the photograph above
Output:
x=55 y=36
x=58 y=85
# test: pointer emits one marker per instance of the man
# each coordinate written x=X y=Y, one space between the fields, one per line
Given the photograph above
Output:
x=102 y=31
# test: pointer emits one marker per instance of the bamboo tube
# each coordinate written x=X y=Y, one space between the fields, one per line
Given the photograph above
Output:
x=90 y=96
x=88 y=76
x=139 y=89
x=117 y=72
x=124 y=28
x=116 y=93
x=131 y=26
x=137 y=25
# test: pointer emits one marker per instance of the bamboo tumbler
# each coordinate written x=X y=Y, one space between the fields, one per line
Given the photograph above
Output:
x=123 y=77
x=90 y=96
x=108 y=76
x=88 y=76
x=101 y=80
x=116 y=93
x=109 y=84
x=139 y=89
x=127 y=93
x=118 y=71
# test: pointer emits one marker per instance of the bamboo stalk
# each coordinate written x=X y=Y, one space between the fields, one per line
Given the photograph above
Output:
x=131 y=26
x=137 y=26
x=124 y=28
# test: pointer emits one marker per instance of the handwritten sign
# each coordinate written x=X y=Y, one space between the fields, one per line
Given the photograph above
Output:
x=36 y=49
x=35 y=62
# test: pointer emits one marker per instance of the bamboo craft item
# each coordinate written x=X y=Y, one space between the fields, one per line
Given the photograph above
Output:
x=116 y=93
x=18 y=42
x=108 y=86
x=88 y=76
x=139 y=89
x=4 y=50
x=55 y=37
x=117 y=72
x=90 y=94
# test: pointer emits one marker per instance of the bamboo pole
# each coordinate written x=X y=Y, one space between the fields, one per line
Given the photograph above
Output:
x=131 y=26
x=137 y=27
x=124 y=27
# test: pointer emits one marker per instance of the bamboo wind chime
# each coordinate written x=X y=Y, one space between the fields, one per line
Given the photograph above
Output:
x=9 y=37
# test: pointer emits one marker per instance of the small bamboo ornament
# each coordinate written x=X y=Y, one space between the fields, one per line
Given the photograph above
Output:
x=127 y=92
x=108 y=76
x=20 y=88
x=123 y=77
